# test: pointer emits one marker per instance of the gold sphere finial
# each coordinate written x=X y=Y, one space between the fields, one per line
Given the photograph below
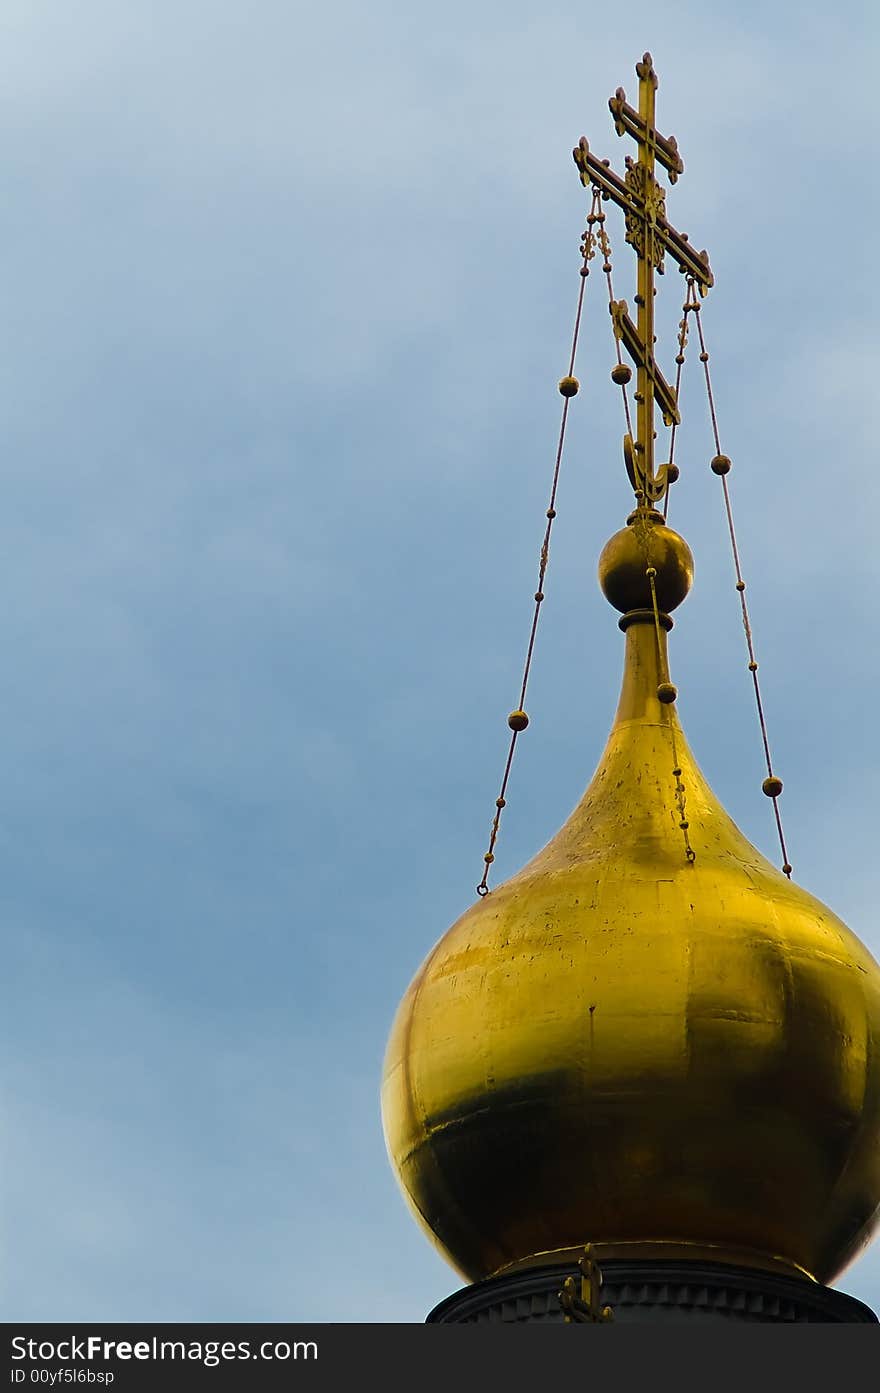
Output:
x=645 y=544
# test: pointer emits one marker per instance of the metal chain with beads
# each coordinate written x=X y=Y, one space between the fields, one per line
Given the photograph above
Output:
x=720 y=465
x=568 y=387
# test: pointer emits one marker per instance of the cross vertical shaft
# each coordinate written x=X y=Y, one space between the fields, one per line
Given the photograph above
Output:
x=645 y=291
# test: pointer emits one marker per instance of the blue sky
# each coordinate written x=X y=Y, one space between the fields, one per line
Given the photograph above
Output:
x=286 y=293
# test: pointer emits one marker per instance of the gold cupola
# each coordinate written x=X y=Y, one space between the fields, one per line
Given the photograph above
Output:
x=649 y=1040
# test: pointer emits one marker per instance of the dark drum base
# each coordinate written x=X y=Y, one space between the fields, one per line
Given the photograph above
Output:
x=652 y=1292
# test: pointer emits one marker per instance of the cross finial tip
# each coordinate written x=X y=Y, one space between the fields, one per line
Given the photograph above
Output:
x=645 y=71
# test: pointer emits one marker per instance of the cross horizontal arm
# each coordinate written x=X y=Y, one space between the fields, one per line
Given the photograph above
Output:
x=627 y=121
x=598 y=173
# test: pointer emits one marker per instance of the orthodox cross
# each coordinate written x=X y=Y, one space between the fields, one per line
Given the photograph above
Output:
x=643 y=201
x=580 y=1301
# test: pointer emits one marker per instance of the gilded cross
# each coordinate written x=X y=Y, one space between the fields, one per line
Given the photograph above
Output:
x=643 y=201
x=580 y=1300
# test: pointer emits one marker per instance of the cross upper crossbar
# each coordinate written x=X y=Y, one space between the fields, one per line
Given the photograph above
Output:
x=627 y=121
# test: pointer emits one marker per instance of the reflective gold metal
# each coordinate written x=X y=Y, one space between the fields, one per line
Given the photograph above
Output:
x=650 y=1041
x=644 y=542
x=623 y=1046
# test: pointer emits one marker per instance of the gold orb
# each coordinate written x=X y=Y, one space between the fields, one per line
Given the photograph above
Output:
x=646 y=542
x=623 y=1047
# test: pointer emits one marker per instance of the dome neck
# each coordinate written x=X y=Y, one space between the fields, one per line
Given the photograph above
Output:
x=645 y=667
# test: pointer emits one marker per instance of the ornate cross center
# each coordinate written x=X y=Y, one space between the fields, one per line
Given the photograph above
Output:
x=643 y=201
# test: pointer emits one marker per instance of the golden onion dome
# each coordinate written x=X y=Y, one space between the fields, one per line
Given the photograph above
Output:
x=624 y=1046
